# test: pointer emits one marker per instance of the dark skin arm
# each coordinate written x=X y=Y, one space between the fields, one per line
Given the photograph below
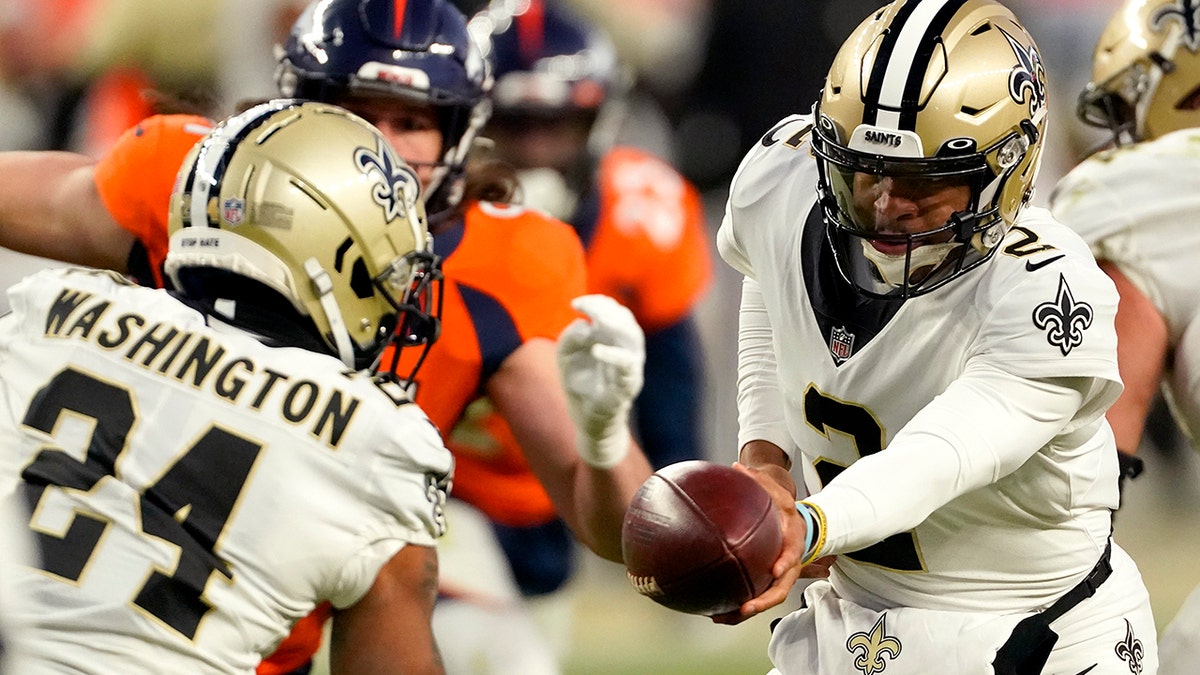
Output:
x=388 y=631
x=768 y=464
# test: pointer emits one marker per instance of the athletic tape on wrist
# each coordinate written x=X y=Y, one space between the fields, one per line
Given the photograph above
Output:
x=814 y=535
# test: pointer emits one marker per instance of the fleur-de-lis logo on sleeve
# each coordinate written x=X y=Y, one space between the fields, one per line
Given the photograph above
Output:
x=1130 y=649
x=1064 y=319
x=396 y=186
x=873 y=647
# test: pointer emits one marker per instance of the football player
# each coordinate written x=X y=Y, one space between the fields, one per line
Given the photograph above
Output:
x=202 y=468
x=1135 y=203
x=932 y=357
x=510 y=274
x=645 y=242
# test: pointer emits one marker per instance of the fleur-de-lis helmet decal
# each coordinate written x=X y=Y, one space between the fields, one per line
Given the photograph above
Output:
x=1027 y=81
x=398 y=188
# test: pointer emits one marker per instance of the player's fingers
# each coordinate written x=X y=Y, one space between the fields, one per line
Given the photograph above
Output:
x=775 y=595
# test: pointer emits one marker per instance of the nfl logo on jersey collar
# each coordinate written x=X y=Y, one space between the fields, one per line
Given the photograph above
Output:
x=841 y=344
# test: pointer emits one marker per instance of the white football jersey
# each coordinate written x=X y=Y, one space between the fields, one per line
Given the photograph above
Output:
x=905 y=414
x=192 y=491
x=1138 y=206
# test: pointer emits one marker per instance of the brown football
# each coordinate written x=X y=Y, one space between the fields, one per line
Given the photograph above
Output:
x=700 y=538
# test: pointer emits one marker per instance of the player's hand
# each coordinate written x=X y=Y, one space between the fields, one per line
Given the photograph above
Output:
x=779 y=484
x=601 y=360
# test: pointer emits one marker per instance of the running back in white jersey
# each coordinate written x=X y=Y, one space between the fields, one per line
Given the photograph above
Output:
x=1138 y=207
x=1018 y=529
x=194 y=492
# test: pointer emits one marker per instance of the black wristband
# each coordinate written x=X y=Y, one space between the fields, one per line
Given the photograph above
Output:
x=1131 y=465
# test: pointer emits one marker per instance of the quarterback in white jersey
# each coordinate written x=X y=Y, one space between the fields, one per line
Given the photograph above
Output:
x=934 y=359
x=202 y=467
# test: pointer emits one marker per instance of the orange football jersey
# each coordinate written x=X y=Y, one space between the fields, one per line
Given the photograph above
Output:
x=136 y=176
x=647 y=246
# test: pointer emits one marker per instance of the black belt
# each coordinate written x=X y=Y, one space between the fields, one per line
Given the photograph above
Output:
x=1029 y=646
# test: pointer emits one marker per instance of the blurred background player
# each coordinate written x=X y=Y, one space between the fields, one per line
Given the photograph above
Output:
x=156 y=507
x=1135 y=202
x=510 y=273
x=899 y=295
x=558 y=106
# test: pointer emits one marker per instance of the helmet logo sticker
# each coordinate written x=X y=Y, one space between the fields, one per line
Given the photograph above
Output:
x=395 y=187
x=233 y=211
x=1063 y=319
x=841 y=344
x=1183 y=11
x=1027 y=81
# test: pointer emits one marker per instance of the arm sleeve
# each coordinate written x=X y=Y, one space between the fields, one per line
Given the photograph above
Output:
x=985 y=426
x=759 y=398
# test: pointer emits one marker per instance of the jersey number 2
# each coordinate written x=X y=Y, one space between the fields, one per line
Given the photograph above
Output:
x=186 y=506
x=824 y=413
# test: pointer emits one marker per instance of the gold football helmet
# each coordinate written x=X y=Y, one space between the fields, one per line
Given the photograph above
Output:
x=928 y=98
x=309 y=202
x=1146 y=71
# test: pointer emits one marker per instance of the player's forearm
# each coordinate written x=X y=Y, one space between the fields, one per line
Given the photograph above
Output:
x=979 y=431
x=49 y=207
x=601 y=498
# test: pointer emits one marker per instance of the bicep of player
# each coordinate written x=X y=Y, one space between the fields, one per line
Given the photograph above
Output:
x=389 y=630
x=982 y=428
x=49 y=207
x=1142 y=344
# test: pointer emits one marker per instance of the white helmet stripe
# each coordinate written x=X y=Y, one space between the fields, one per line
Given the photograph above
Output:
x=898 y=77
x=214 y=154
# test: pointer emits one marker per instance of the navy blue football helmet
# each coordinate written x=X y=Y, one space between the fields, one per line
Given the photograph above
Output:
x=547 y=60
x=424 y=55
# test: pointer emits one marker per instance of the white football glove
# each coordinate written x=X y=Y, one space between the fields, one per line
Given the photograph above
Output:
x=600 y=360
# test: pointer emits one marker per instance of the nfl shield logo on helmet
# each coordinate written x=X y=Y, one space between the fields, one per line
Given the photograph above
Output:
x=233 y=210
x=841 y=344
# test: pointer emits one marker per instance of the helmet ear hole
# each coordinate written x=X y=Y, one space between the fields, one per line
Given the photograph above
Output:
x=360 y=280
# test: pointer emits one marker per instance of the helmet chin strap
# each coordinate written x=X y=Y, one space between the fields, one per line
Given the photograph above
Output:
x=891 y=267
x=324 y=287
